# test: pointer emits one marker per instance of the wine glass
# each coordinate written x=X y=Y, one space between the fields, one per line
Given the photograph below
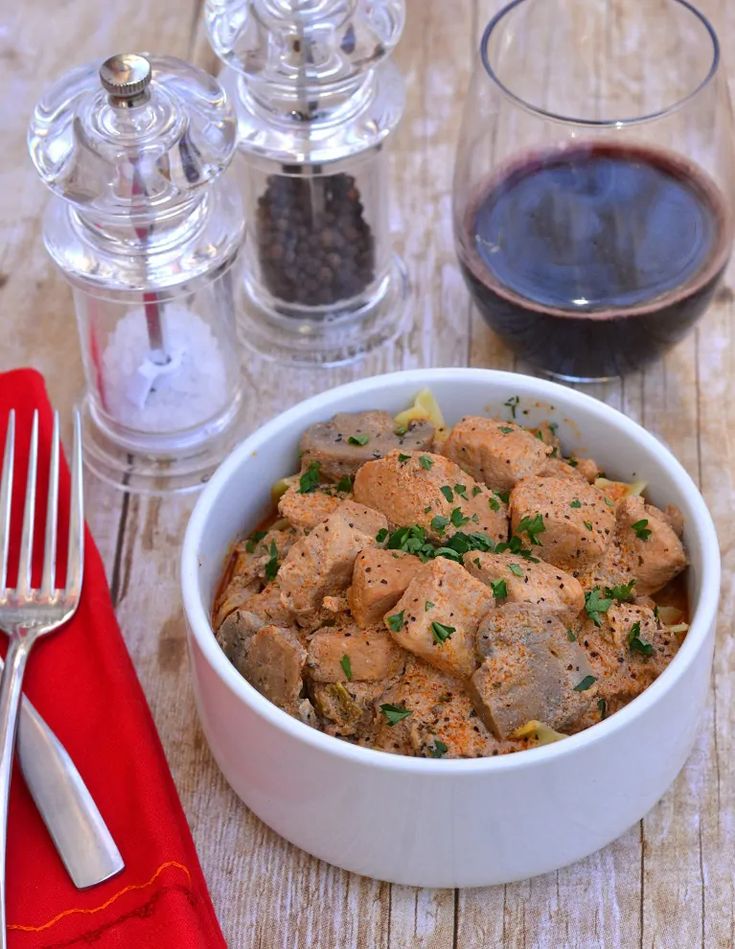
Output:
x=593 y=189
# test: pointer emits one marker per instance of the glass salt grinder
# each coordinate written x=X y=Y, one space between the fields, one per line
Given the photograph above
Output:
x=316 y=98
x=145 y=227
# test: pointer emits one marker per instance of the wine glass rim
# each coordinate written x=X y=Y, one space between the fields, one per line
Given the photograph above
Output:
x=599 y=123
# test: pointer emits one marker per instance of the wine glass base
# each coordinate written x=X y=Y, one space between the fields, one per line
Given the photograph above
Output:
x=324 y=337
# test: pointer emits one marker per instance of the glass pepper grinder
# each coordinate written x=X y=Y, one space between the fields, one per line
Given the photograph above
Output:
x=146 y=227
x=316 y=98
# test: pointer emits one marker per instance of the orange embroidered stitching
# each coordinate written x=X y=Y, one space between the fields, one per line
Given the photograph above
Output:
x=112 y=899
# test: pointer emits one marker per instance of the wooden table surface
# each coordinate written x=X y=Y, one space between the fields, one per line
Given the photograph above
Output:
x=669 y=881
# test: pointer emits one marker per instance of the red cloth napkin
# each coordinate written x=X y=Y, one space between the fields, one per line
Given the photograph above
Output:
x=82 y=681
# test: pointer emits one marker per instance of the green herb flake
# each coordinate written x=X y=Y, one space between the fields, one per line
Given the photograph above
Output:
x=382 y=535
x=572 y=462
x=494 y=504
x=609 y=502
x=457 y=518
x=505 y=429
x=438 y=523
x=358 y=439
x=622 y=592
x=571 y=636
x=476 y=490
x=588 y=525
x=595 y=605
x=512 y=404
x=394 y=713
x=602 y=708
x=575 y=503
x=439 y=749
x=641 y=528
x=271 y=568
x=532 y=526
x=404 y=458
x=395 y=622
x=428 y=606
x=344 y=484
x=461 y=491
x=252 y=541
x=499 y=588
x=441 y=633
x=585 y=684
x=539 y=434
x=477 y=563
x=425 y=461
x=401 y=431
x=516 y=570
x=636 y=644
x=346 y=666
x=309 y=480
x=503 y=495
x=447 y=492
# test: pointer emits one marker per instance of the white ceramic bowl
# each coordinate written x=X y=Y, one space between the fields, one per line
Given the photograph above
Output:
x=448 y=823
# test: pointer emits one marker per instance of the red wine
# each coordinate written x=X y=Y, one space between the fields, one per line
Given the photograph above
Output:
x=593 y=260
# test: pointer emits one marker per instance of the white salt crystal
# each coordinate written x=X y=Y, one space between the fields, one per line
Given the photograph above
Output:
x=190 y=390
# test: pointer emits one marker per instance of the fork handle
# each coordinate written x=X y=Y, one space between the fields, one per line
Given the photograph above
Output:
x=10 y=687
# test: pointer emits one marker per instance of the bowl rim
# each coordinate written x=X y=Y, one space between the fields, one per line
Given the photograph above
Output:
x=701 y=622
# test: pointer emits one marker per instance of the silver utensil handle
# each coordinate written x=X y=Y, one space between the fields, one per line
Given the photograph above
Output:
x=10 y=686
x=74 y=822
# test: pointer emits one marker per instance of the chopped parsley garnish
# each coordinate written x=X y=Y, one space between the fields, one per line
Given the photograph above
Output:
x=505 y=429
x=441 y=633
x=271 y=568
x=358 y=439
x=554 y=427
x=447 y=492
x=252 y=541
x=394 y=713
x=642 y=531
x=457 y=518
x=382 y=534
x=636 y=644
x=461 y=491
x=572 y=462
x=401 y=431
x=512 y=404
x=439 y=749
x=596 y=605
x=476 y=490
x=539 y=434
x=515 y=546
x=588 y=525
x=344 y=483
x=622 y=592
x=575 y=503
x=503 y=495
x=428 y=606
x=494 y=504
x=532 y=526
x=425 y=461
x=609 y=502
x=515 y=570
x=602 y=708
x=309 y=480
x=346 y=666
x=571 y=636
x=438 y=523
x=585 y=684
x=427 y=509
x=499 y=588
x=395 y=622
x=404 y=458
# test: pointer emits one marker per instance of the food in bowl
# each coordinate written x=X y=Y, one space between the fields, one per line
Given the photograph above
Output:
x=456 y=593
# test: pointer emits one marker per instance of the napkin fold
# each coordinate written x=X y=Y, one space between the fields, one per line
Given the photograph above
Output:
x=82 y=681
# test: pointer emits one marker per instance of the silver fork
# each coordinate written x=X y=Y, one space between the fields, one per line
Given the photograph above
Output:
x=27 y=613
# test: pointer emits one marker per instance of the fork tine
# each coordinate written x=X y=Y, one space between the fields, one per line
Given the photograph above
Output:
x=6 y=498
x=75 y=565
x=48 y=581
x=29 y=516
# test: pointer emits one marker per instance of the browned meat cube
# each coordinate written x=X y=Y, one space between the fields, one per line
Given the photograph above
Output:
x=321 y=563
x=645 y=548
x=438 y=615
x=495 y=452
x=432 y=492
x=350 y=439
x=305 y=511
x=273 y=665
x=379 y=580
x=366 y=654
x=347 y=706
x=441 y=722
x=515 y=580
x=569 y=520
x=532 y=671
x=627 y=652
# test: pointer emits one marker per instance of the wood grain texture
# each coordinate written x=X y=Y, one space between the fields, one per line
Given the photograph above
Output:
x=667 y=882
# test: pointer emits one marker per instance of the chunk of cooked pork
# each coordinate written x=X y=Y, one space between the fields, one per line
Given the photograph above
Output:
x=379 y=580
x=348 y=707
x=305 y=511
x=575 y=526
x=432 y=492
x=531 y=671
x=350 y=439
x=438 y=615
x=321 y=563
x=495 y=452
x=515 y=580
x=273 y=664
x=348 y=653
